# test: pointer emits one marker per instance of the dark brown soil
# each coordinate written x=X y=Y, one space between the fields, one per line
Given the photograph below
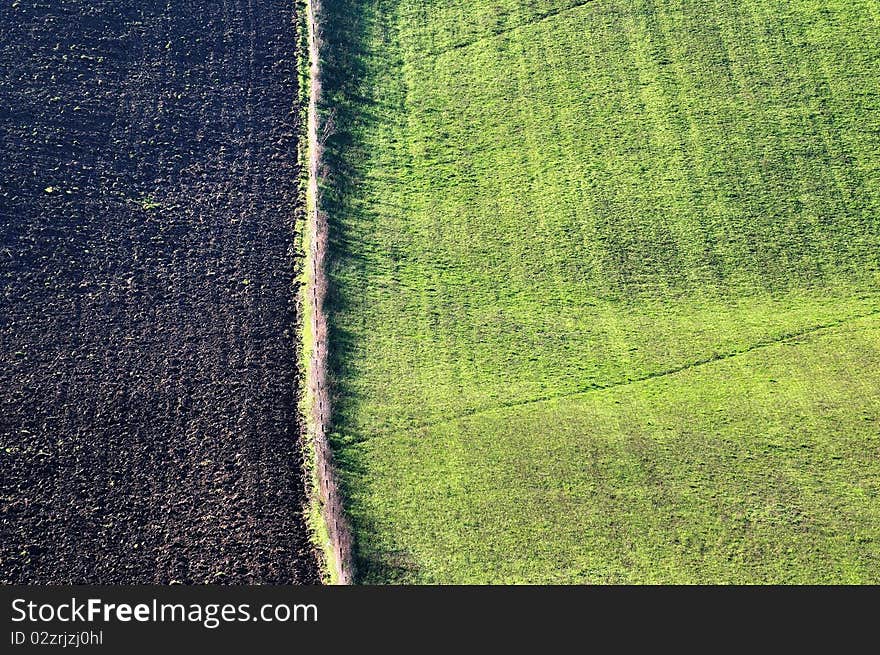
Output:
x=148 y=193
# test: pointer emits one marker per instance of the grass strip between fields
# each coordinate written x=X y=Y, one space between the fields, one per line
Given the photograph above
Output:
x=329 y=524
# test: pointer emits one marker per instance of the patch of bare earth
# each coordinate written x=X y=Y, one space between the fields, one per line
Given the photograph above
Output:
x=148 y=314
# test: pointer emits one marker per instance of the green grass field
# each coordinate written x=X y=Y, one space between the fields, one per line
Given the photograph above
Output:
x=605 y=274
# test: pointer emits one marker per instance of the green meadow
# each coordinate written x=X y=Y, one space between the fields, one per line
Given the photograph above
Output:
x=604 y=300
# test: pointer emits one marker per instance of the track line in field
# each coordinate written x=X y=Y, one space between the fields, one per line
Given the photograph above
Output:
x=537 y=19
x=718 y=357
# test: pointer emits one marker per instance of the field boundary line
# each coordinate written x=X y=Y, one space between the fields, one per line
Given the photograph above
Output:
x=337 y=538
x=488 y=37
x=717 y=357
